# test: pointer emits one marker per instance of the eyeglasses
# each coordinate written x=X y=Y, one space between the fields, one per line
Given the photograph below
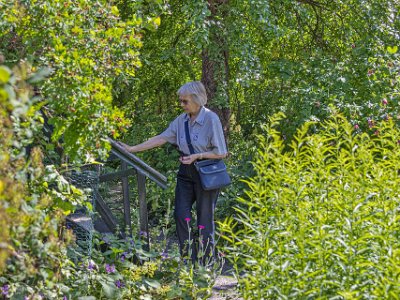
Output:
x=184 y=101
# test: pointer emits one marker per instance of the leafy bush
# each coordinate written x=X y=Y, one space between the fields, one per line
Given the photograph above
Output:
x=88 y=49
x=33 y=197
x=320 y=220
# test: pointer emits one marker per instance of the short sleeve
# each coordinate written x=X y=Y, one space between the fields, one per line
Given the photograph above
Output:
x=217 y=138
x=170 y=133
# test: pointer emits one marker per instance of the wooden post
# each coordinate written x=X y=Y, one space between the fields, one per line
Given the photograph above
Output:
x=143 y=215
x=127 y=207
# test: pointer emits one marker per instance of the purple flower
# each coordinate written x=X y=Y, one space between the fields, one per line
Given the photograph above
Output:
x=5 y=289
x=164 y=255
x=119 y=284
x=384 y=101
x=187 y=219
x=91 y=266
x=123 y=256
x=143 y=233
x=65 y=298
x=26 y=297
x=110 y=268
x=202 y=227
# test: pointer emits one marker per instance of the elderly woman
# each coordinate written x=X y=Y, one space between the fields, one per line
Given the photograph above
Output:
x=208 y=142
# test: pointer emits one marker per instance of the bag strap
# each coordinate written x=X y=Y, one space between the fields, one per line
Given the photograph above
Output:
x=188 y=140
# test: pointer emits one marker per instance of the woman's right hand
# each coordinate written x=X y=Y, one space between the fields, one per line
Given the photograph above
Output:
x=125 y=146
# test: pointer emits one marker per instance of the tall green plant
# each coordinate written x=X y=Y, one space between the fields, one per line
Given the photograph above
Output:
x=320 y=221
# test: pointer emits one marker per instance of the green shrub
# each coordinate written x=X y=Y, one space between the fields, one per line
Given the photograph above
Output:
x=320 y=220
x=89 y=52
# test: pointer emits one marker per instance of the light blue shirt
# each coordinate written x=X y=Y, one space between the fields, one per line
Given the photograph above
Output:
x=205 y=132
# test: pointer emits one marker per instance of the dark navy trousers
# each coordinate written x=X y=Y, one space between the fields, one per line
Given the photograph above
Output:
x=197 y=241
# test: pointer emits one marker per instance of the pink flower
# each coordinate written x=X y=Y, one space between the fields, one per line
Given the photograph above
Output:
x=384 y=101
x=356 y=127
x=370 y=72
x=202 y=226
x=187 y=219
x=353 y=46
x=376 y=132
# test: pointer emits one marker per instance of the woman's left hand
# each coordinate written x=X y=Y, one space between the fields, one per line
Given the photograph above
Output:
x=187 y=160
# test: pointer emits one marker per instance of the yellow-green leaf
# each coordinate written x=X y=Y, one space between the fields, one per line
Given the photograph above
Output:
x=115 y=11
x=4 y=74
x=157 y=21
x=392 y=50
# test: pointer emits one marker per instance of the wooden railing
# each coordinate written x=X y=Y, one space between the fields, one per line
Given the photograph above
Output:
x=131 y=165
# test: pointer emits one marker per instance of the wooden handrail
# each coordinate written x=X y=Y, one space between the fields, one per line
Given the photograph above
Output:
x=138 y=164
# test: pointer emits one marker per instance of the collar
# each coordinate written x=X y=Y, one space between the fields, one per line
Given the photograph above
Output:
x=200 y=117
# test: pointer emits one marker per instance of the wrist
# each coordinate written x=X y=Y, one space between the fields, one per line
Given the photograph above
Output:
x=132 y=149
x=200 y=156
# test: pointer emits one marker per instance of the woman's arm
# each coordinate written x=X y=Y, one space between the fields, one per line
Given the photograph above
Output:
x=149 y=144
x=205 y=155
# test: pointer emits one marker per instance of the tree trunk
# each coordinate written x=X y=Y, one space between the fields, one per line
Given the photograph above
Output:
x=215 y=68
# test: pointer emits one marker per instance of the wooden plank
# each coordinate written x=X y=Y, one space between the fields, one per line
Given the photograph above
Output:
x=117 y=175
x=125 y=191
x=143 y=214
x=105 y=212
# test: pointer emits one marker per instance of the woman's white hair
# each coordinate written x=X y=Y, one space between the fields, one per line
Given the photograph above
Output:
x=196 y=90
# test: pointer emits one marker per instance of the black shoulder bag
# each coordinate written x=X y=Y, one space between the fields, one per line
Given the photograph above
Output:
x=212 y=172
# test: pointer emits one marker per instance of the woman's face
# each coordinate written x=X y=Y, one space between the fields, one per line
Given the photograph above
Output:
x=188 y=105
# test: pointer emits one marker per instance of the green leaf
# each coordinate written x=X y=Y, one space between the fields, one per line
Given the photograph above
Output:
x=5 y=74
x=109 y=289
x=392 y=50
x=153 y=283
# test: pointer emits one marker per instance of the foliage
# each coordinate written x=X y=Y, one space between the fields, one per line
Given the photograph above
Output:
x=159 y=274
x=33 y=197
x=88 y=48
x=286 y=56
x=320 y=220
